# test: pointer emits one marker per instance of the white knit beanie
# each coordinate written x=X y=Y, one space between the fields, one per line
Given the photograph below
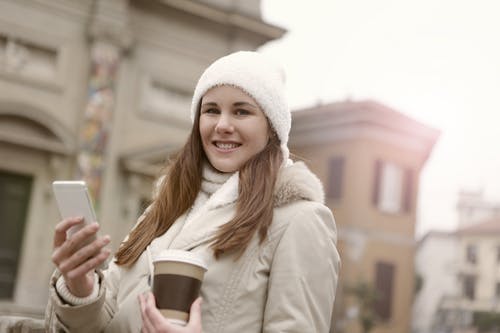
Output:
x=260 y=78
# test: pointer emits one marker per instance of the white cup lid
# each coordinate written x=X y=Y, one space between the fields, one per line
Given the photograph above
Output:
x=181 y=256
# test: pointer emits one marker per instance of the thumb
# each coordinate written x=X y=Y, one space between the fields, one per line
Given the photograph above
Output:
x=195 y=315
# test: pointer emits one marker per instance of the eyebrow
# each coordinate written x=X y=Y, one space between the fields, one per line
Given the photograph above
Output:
x=209 y=104
x=234 y=104
x=244 y=104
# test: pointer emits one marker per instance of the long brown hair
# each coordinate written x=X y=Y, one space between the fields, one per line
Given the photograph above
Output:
x=180 y=186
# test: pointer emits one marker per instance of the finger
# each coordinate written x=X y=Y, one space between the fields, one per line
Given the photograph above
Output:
x=141 y=303
x=62 y=227
x=140 y=299
x=154 y=315
x=146 y=320
x=89 y=265
x=195 y=315
x=75 y=242
x=83 y=254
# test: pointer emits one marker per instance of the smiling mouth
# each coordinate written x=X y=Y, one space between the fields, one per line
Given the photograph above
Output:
x=226 y=145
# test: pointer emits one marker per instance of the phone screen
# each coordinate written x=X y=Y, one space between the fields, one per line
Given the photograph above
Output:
x=73 y=200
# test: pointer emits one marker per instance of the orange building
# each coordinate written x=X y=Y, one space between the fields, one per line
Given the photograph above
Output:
x=369 y=158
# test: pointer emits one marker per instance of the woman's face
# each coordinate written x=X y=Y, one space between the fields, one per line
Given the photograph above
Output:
x=233 y=128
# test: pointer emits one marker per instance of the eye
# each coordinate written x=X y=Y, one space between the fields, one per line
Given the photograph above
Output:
x=242 y=112
x=211 y=111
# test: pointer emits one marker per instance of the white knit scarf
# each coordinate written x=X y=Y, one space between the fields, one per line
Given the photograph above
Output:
x=212 y=181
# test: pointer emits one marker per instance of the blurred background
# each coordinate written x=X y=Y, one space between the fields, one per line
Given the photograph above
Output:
x=394 y=106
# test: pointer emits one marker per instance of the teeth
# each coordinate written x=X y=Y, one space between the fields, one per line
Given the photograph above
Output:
x=226 y=145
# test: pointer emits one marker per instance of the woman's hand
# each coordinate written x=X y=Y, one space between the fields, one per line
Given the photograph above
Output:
x=77 y=261
x=154 y=322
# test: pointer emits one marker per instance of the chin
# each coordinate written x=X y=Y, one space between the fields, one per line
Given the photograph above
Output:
x=224 y=168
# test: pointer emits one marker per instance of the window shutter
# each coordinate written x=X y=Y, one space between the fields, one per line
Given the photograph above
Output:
x=408 y=190
x=335 y=177
x=469 y=286
x=471 y=254
x=384 y=281
x=376 y=182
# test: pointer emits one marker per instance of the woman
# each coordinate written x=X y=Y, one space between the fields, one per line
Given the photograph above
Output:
x=232 y=196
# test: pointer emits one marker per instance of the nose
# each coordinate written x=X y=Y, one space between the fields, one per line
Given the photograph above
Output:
x=224 y=124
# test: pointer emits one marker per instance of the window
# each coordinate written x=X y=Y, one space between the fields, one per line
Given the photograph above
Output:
x=497 y=291
x=335 y=177
x=471 y=254
x=15 y=191
x=384 y=281
x=469 y=286
x=392 y=191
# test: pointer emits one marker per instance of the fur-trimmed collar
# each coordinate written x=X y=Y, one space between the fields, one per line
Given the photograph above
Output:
x=297 y=182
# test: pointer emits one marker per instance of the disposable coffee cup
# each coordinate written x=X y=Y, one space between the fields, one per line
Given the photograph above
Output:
x=176 y=284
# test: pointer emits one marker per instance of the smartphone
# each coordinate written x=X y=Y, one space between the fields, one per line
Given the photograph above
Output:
x=73 y=200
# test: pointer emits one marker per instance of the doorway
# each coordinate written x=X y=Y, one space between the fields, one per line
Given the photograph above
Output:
x=15 y=193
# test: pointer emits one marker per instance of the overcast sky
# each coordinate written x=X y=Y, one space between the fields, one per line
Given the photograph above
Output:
x=436 y=61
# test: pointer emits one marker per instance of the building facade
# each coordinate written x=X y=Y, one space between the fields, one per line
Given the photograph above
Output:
x=460 y=274
x=369 y=158
x=437 y=267
x=99 y=89
x=96 y=89
x=475 y=307
x=473 y=207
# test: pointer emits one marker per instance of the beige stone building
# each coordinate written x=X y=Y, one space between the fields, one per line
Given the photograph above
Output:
x=369 y=158
x=97 y=89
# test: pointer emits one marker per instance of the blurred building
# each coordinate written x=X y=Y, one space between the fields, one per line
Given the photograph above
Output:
x=478 y=278
x=473 y=207
x=97 y=89
x=369 y=158
x=437 y=267
x=461 y=280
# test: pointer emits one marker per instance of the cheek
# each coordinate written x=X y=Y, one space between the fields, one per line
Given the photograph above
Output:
x=263 y=143
x=204 y=130
x=261 y=138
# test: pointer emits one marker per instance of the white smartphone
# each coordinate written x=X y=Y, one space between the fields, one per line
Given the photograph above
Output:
x=73 y=200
